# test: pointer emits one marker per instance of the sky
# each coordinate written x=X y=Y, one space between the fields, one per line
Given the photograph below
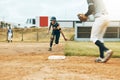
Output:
x=20 y=10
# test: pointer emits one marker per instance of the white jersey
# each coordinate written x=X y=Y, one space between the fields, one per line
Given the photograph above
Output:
x=98 y=6
x=101 y=19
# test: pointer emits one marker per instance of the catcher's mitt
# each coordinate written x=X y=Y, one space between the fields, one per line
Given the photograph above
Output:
x=82 y=17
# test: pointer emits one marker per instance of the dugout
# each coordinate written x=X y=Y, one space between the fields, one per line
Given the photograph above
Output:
x=83 y=30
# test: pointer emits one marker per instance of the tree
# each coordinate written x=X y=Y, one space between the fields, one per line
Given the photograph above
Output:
x=2 y=24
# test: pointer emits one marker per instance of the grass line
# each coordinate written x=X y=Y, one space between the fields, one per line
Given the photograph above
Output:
x=89 y=49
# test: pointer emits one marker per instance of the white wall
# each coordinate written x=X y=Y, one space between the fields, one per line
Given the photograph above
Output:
x=86 y=24
x=66 y=23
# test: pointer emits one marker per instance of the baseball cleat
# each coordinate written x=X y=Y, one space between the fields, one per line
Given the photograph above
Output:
x=108 y=55
x=50 y=49
x=99 y=60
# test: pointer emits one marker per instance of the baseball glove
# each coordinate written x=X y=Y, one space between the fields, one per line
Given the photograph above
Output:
x=82 y=17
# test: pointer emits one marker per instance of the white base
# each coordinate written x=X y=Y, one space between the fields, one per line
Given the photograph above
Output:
x=54 y=57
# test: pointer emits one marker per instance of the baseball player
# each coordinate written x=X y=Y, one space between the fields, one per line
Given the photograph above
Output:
x=10 y=34
x=56 y=30
x=97 y=8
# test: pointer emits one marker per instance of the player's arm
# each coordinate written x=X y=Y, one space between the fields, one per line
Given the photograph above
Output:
x=59 y=28
x=84 y=17
x=91 y=8
x=63 y=35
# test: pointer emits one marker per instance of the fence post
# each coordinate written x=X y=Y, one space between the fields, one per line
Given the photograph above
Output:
x=37 y=35
x=22 y=35
x=74 y=24
x=6 y=35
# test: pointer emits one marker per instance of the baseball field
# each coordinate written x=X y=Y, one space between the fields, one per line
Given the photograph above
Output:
x=29 y=61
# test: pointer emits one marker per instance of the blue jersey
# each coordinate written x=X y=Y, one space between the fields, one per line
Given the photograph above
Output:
x=54 y=27
x=10 y=31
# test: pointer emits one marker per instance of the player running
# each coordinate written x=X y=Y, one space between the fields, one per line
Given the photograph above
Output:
x=56 y=30
x=97 y=8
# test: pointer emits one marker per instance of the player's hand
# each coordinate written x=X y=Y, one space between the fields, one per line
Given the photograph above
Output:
x=82 y=17
x=65 y=39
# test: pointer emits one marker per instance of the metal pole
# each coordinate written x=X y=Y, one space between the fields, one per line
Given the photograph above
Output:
x=119 y=30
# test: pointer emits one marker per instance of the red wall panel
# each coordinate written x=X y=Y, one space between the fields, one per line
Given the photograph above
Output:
x=43 y=21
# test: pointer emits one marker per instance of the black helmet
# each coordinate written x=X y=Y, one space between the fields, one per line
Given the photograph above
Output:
x=53 y=18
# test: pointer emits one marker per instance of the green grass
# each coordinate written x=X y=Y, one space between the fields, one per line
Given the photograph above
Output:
x=89 y=49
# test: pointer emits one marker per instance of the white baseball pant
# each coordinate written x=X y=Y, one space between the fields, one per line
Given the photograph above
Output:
x=99 y=27
x=9 y=36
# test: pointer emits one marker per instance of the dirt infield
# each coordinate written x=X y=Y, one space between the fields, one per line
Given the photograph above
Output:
x=28 y=61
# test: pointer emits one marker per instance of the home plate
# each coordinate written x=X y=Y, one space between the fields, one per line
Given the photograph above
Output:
x=54 y=57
